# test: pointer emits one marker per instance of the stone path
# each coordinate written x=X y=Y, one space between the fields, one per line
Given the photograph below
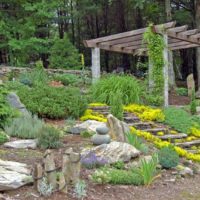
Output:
x=154 y=128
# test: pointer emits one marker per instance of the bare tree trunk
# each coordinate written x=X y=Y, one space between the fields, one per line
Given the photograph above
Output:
x=197 y=19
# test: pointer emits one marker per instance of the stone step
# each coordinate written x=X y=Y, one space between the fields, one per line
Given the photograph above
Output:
x=131 y=119
x=156 y=130
x=100 y=108
x=193 y=151
x=173 y=136
x=188 y=144
x=142 y=125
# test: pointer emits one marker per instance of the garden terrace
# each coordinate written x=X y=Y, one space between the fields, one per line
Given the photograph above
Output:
x=132 y=42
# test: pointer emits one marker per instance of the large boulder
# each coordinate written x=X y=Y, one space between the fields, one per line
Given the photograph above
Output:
x=117 y=128
x=190 y=84
x=15 y=102
x=89 y=125
x=114 y=152
x=14 y=175
x=22 y=144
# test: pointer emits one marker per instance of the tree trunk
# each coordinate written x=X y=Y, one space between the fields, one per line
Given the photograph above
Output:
x=197 y=19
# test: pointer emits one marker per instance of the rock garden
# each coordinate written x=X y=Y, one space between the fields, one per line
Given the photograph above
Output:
x=62 y=137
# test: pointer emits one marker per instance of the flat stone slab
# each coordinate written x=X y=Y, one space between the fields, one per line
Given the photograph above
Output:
x=21 y=144
x=14 y=175
x=114 y=152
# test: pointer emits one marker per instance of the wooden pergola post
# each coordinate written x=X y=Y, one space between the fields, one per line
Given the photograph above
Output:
x=165 y=71
x=95 y=64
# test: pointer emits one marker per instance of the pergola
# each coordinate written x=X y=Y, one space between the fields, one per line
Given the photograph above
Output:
x=132 y=42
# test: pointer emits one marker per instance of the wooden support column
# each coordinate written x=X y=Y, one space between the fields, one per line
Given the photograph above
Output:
x=150 y=71
x=165 y=71
x=95 y=64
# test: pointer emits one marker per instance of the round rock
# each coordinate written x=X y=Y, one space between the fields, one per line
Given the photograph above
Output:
x=102 y=130
x=100 y=139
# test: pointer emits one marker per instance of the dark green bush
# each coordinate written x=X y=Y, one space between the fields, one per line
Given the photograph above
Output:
x=64 y=55
x=125 y=85
x=168 y=157
x=124 y=177
x=182 y=91
x=6 y=112
x=67 y=79
x=119 y=165
x=49 y=138
x=53 y=103
x=3 y=137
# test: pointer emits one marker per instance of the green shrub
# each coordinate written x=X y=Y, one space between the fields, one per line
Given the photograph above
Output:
x=116 y=105
x=119 y=165
x=87 y=134
x=67 y=79
x=26 y=127
x=182 y=91
x=193 y=104
x=135 y=141
x=6 y=112
x=125 y=85
x=53 y=103
x=148 y=169
x=3 y=137
x=179 y=119
x=64 y=55
x=49 y=138
x=153 y=100
x=117 y=176
x=168 y=157
x=36 y=76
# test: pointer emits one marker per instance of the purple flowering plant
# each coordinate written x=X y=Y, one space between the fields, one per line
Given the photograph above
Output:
x=90 y=160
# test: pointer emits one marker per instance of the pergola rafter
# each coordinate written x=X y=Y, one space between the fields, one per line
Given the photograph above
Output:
x=132 y=42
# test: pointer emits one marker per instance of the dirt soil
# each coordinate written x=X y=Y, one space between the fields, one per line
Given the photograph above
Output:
x=163 y=188
x=175 y=99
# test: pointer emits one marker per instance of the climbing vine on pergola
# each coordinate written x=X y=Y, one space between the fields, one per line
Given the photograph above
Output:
x=132 y=42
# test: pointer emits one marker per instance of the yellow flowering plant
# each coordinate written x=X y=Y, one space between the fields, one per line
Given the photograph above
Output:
x=91 y=115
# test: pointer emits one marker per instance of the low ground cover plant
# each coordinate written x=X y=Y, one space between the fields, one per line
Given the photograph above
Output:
x=125 y=85
x=25 y=126
x=168 y=157
x=53 y=103
x=180 y=119
x=182 y=91
x=49 y=138
x=67 y=79
x=3 y=137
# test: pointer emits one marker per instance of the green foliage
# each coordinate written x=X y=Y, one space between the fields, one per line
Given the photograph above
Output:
x=168 y=157
x=116 y=105
x=80 y=189
x=153 y=100
x=26 y=127
x=135 y=141
x=125 y=85
x=3 y=137
x=67 y=79
x=101 y=176
x=117 y=176
x=119 y=165
x=35 y=77
x=193 y=104
x=53 y=103
x=64 y=55
x=155 y=45
x=148 y=169
x=44 y=188
x=6 y=112
x=87 y=134
x=179 y=119
x=49 y=138
x=182 y=91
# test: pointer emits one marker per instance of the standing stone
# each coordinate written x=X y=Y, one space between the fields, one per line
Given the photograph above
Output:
x=190 y=84
x=38 y=175
x=50 y=168
x=71 y=166
x=118 y=129
x=62 y=186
